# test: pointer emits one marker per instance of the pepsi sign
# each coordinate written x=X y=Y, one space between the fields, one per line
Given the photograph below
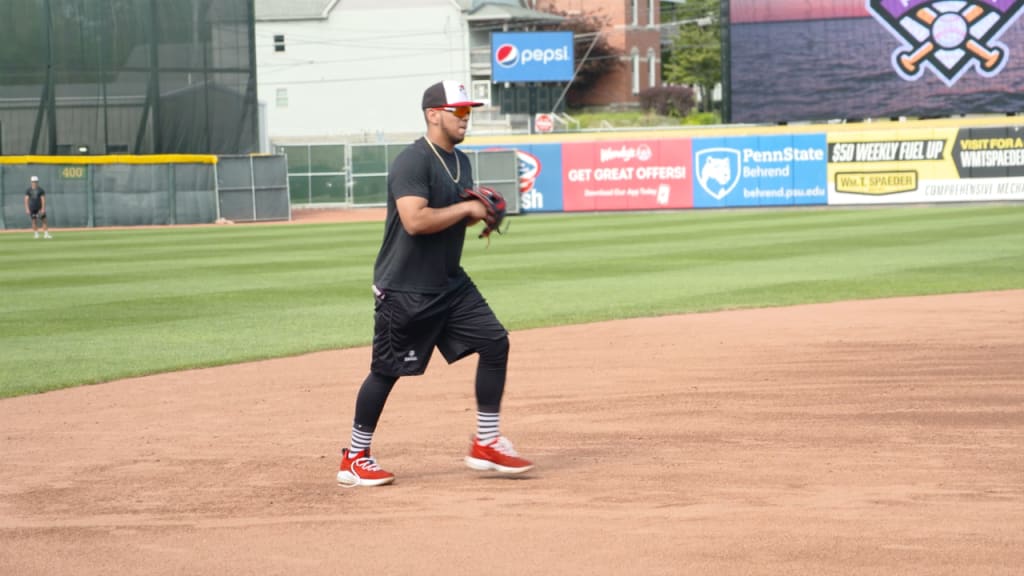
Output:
x=532 y=56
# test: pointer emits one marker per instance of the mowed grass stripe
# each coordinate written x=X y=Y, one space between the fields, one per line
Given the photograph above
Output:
x=697 y=221
x=147 y=245
x=91 y=306
x=705 y=239
x=657 y=252
x=181 y=265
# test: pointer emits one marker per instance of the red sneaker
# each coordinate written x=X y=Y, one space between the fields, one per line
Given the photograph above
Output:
x=498 y=454
x=361 y=469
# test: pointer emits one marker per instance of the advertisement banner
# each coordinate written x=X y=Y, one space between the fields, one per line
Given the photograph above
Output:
x=627 y=175
x=989 y=152
x=532 y=56
x=540 y=175
x=792 y=60
x=784 y=170
x=948 y=39
x=923 y=166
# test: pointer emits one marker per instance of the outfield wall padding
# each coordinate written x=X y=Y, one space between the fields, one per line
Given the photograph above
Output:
x=869 y=165
x=122 y=190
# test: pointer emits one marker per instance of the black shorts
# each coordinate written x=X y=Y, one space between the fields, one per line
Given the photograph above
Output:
x=407 y=327
x=35 y=214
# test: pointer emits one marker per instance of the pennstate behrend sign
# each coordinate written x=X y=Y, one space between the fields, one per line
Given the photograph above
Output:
x=783 y=170
x=532 y=56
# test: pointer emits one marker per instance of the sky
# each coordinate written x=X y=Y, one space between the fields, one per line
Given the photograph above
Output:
x=777 y=10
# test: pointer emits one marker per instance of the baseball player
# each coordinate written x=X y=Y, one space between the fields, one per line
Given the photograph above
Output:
x=422 y=296
x=35 y=206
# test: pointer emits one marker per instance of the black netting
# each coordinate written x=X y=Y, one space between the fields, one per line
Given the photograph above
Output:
x=127 y=77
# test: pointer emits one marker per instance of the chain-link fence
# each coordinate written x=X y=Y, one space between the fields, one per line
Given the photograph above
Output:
x=253 y=188
x=356 y=175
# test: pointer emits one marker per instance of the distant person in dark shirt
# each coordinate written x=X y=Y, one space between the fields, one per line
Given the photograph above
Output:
x=35 y=206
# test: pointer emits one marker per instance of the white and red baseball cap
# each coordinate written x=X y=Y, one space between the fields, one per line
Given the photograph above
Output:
x=447 y=94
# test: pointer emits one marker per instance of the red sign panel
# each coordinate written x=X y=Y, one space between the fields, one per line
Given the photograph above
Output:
x=627 y=175
x=544 y=123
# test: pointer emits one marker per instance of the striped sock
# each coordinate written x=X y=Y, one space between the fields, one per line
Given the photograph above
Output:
x=360 y=440
x=486 y=426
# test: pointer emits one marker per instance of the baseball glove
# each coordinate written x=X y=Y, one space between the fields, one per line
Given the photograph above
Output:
x=495 y=204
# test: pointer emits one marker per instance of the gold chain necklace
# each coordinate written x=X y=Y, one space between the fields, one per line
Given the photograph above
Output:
x=458 y=165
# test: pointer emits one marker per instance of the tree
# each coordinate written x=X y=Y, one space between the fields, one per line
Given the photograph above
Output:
x=696 y=53
x=668 y=100
x=587 y=29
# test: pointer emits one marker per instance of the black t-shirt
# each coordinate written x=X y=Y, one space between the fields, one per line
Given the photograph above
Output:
x=426 y=263
x=35 y=198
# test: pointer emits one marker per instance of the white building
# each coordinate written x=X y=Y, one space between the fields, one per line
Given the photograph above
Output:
x=336 y=70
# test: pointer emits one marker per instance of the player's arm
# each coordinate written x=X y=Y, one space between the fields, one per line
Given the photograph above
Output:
x=42 y=200
x=418 y=218
x=26 y=204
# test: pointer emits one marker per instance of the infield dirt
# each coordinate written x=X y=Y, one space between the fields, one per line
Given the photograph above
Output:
x=868 y=437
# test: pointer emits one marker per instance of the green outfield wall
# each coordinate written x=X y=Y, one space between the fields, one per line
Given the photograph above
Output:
x=159 y=189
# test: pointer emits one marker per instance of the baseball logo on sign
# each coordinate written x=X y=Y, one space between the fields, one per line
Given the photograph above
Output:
x=950 y=30
x=947 y=37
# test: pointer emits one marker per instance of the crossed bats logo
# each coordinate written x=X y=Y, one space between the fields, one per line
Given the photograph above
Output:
x=949 y=37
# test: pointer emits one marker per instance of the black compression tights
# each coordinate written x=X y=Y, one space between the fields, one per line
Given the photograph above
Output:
x=490 y=386
x=490 y=375
x=373 y=394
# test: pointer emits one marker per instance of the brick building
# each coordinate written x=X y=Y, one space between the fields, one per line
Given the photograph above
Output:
x=634 y=30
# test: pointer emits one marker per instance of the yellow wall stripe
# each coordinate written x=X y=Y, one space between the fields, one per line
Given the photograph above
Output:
x=113 y=159
x=717 y=131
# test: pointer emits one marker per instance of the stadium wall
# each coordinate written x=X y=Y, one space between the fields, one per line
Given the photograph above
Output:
x=161 y=189
x=737 y=166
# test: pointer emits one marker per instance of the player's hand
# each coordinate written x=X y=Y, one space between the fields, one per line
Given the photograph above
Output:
x=494 y=205
x=477 y=211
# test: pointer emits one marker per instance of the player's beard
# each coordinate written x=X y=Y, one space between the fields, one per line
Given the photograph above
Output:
x=455 y=135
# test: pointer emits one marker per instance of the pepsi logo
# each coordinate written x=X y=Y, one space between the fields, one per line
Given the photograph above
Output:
x=507 y=55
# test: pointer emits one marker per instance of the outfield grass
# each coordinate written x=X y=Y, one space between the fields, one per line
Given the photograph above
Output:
x=96 y=305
